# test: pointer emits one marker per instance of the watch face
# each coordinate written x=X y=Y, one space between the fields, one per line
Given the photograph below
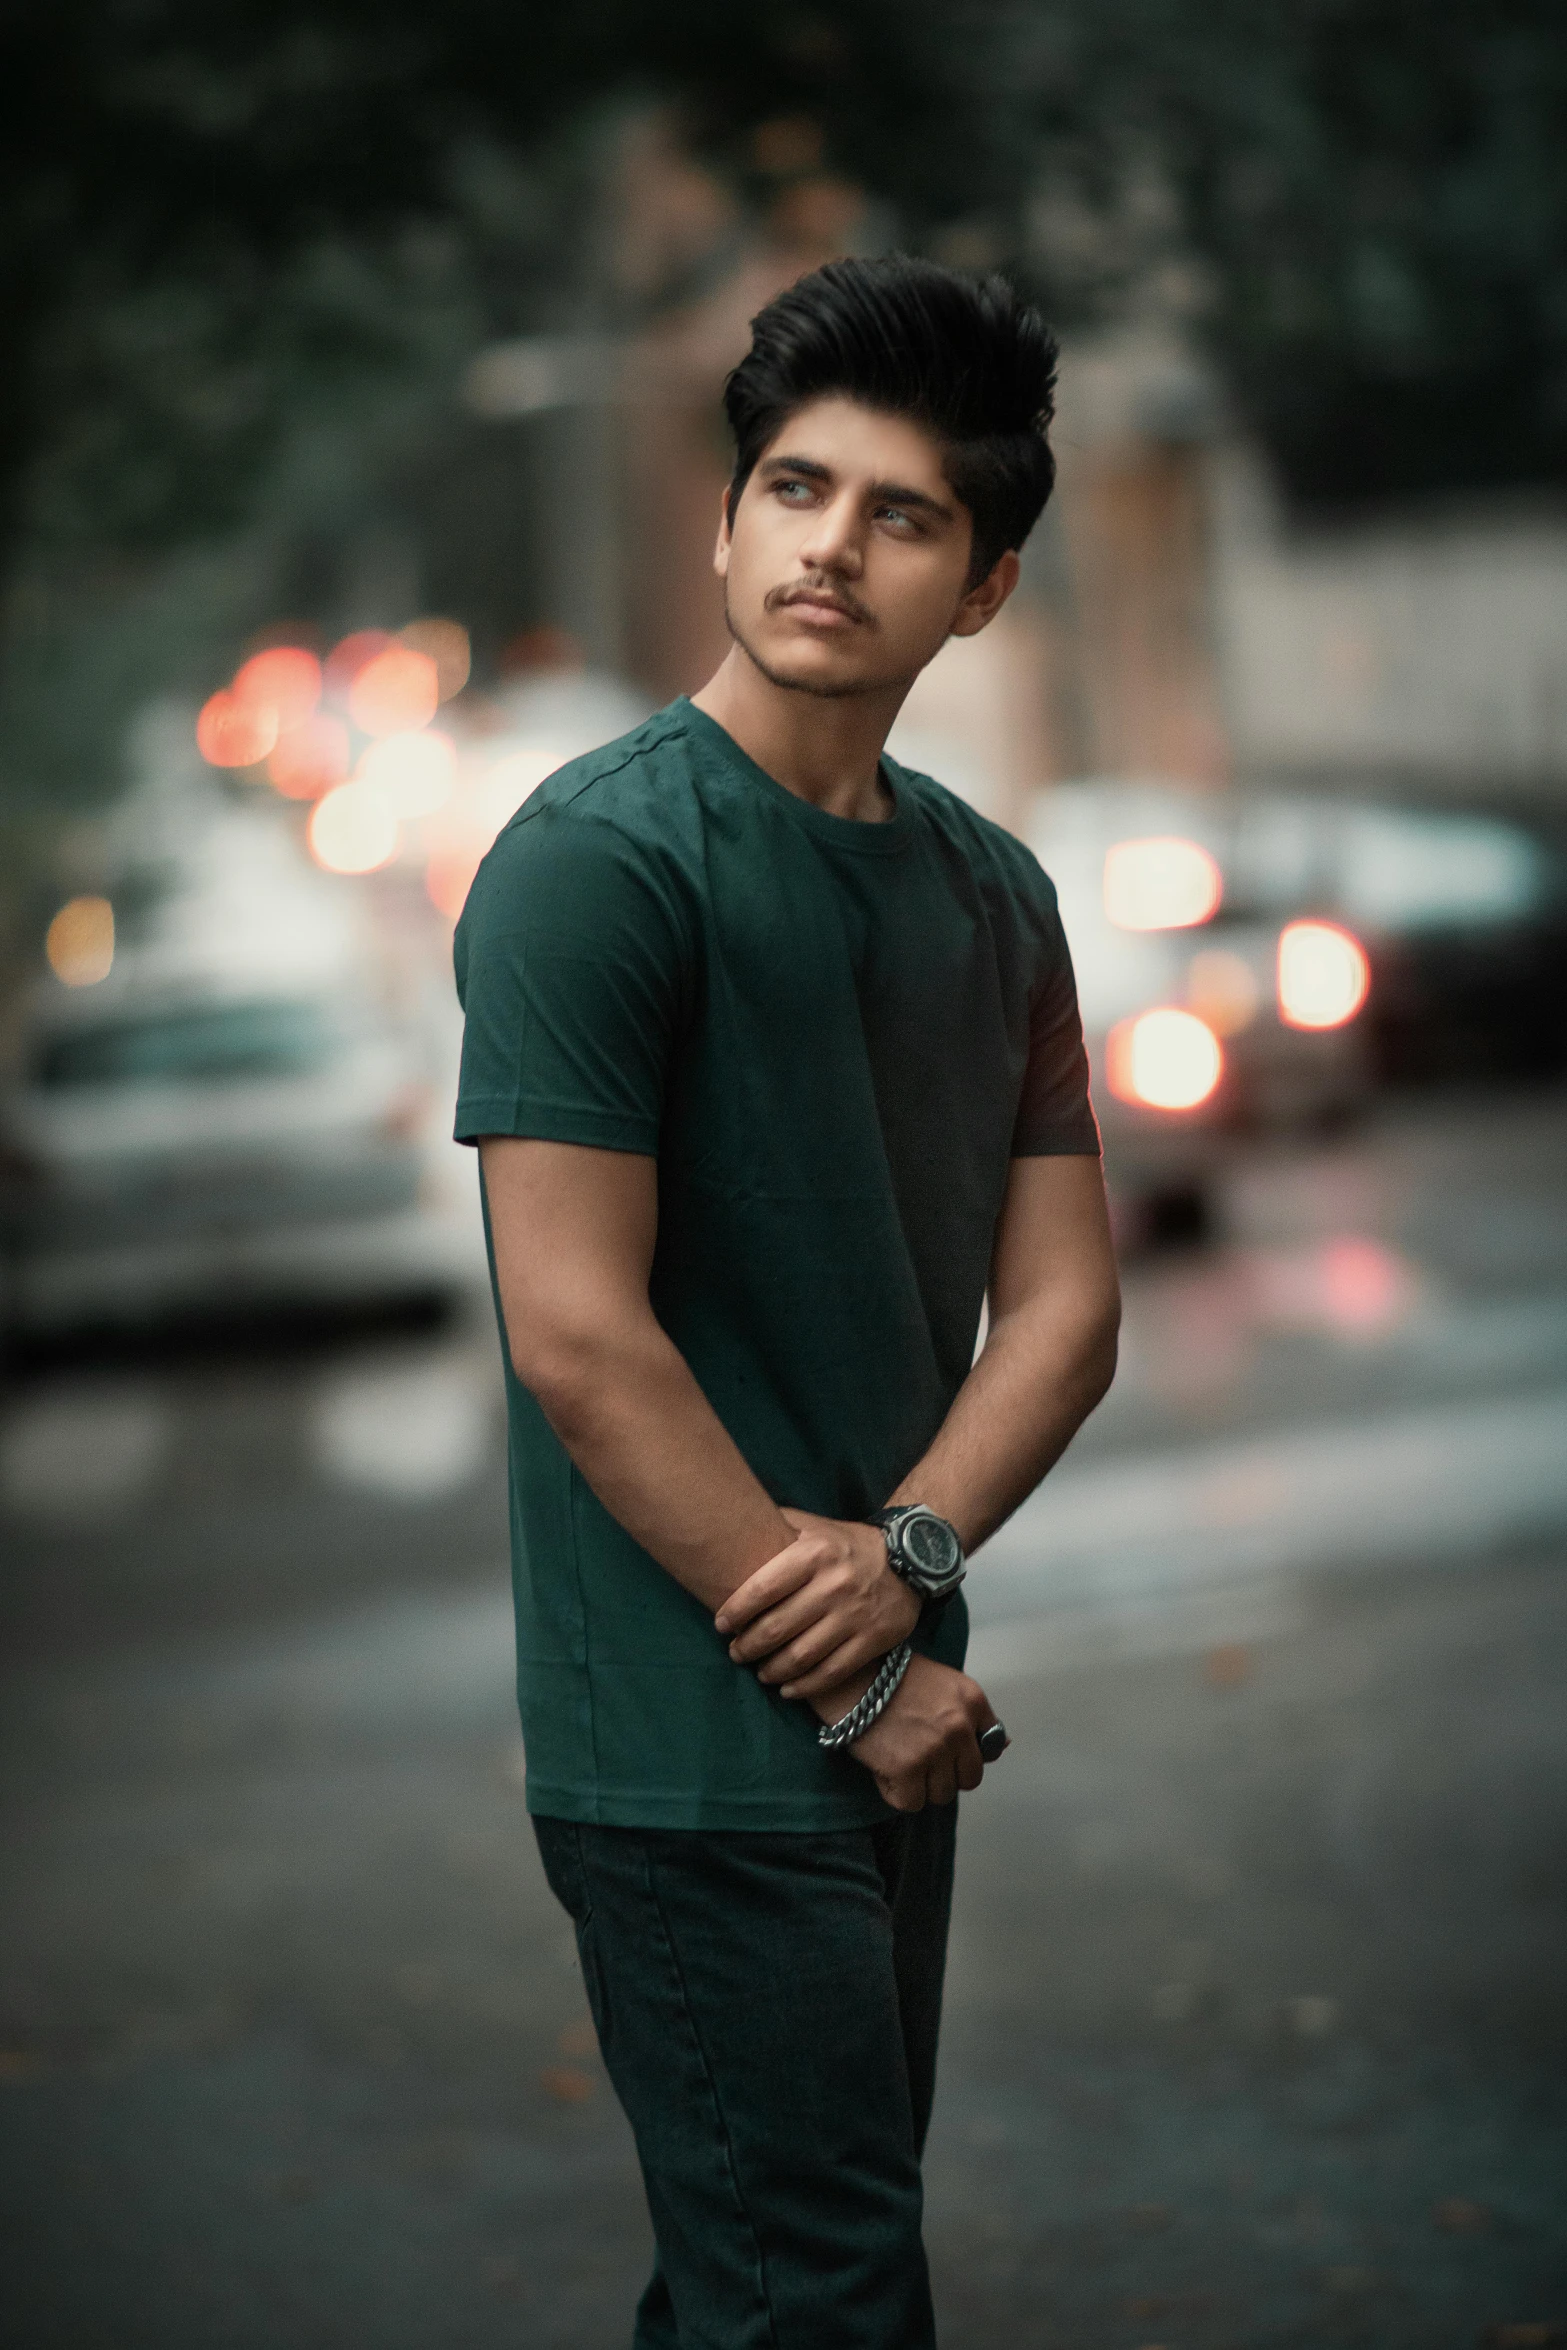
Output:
x=932 y=1550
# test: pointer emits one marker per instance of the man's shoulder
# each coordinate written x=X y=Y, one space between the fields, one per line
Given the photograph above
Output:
x=999 y=860
x=606 y=836
x=635 y=784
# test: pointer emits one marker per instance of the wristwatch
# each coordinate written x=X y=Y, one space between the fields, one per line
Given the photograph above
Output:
x=924 y=1551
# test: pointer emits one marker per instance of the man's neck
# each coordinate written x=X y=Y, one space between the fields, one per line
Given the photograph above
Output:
x=823 y=749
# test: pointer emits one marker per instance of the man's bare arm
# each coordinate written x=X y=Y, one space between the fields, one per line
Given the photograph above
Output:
x=573 y=1231
x=1048 y=1358
x=1049 y=1353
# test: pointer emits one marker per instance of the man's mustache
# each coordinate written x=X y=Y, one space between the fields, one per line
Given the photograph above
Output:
x=816 y=591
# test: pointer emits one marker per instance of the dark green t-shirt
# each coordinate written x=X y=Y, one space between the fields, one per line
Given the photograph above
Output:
x=833 y=1037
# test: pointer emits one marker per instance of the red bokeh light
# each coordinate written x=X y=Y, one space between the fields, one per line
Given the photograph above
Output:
x=284 y=678
x=310 y=758
x=448 y=876
x=1366 y=1287
x=396 y=692
x=235 y=733
x=345 y=660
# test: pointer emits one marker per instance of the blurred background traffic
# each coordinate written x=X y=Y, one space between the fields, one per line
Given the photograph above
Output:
x=362 y=461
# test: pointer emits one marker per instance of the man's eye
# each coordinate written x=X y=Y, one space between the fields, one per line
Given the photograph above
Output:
x=785 y=488
x=897 y=514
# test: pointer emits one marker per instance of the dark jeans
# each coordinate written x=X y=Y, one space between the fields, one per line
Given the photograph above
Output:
x=768 y=2007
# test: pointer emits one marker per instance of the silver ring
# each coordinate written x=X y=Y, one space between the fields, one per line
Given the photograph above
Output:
x=993 y=1742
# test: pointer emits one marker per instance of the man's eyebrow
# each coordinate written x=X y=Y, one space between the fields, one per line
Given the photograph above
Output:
x=897 y=493
x=885 y=493
x=810 y=466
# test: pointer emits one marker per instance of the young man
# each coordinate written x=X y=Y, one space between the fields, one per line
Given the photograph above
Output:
x=774 y=1062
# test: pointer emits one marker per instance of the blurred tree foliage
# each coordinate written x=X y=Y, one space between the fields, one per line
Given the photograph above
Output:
x=1378 y=193
x=203 y=210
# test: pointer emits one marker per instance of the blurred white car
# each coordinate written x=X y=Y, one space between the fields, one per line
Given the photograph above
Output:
x=1254 y=963
x=1208 y=1015
x=234 y=1114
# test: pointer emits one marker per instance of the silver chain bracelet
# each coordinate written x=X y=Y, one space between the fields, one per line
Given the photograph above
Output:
x=877 y=1698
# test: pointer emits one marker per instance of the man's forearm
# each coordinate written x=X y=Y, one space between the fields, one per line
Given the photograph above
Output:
x=573 y=1231
x=1039 y=1375
x=631 y=1415
x=628 y=1410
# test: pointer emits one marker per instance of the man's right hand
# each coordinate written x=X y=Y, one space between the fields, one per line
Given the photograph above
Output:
x=926 y=1745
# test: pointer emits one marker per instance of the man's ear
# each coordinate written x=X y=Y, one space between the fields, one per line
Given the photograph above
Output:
x=981 y=604
x=725 y=537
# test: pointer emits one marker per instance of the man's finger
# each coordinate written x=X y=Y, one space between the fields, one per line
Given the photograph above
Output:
x=808 y=1649
x=774 y=1580
x=836 y=1666
x=980 y=1710
x=793 y=1618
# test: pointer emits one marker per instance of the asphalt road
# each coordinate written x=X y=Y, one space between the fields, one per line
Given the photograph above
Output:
x=1256 y=2028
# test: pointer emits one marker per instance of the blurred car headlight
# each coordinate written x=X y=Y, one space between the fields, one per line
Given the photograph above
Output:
x=353 y=830
x=1163 y=1060
x=1323 y=975
x=1161 y=884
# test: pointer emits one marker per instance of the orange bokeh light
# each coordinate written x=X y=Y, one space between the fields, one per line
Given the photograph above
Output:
x=1323 y=975
x=79 y=944
x=347 y=658
x=448 y=876
x=310 y=758
x=445 y=642
x=235 y=733
x=353 y=830
x=1166 y=1060
x=1161 y=884
x=284 y=678
x=395 y=692
x=414 y=773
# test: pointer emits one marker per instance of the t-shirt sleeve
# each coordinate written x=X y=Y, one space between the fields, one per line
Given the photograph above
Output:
x=571 y=972
x=1055 y=1118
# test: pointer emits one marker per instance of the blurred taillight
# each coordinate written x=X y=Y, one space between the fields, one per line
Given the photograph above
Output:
x=1161 y=884
x=1164 y=1060
x=79 y=943
x=1323 y=975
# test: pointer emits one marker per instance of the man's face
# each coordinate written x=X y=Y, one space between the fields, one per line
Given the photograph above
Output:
x=846 y=565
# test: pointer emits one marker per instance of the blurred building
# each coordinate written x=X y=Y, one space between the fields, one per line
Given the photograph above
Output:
x=1422 y=653
x=1172 y=621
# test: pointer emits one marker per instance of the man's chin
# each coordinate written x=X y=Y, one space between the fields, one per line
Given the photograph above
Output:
x=834 y=671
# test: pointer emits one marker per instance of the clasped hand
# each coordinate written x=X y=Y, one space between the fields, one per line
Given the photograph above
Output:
x=822 y=1612
x=819 y=1611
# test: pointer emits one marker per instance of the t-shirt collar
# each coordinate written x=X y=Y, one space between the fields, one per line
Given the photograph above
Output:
x=888 y=838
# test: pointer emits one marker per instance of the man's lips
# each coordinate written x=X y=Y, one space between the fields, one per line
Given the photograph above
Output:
x=819 y=600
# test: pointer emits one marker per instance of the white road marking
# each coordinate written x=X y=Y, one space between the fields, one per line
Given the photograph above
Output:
x=408 y=1428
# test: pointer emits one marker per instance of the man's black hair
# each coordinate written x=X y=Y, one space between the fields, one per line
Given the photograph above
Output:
x=971 y=362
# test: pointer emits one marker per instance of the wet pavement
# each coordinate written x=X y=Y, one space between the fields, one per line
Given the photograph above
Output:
x=1256 y=2030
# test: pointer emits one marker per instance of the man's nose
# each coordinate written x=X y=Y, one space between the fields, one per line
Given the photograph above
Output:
x=834 y=541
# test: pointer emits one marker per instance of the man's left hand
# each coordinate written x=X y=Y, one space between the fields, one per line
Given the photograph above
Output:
x=824 y=1608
